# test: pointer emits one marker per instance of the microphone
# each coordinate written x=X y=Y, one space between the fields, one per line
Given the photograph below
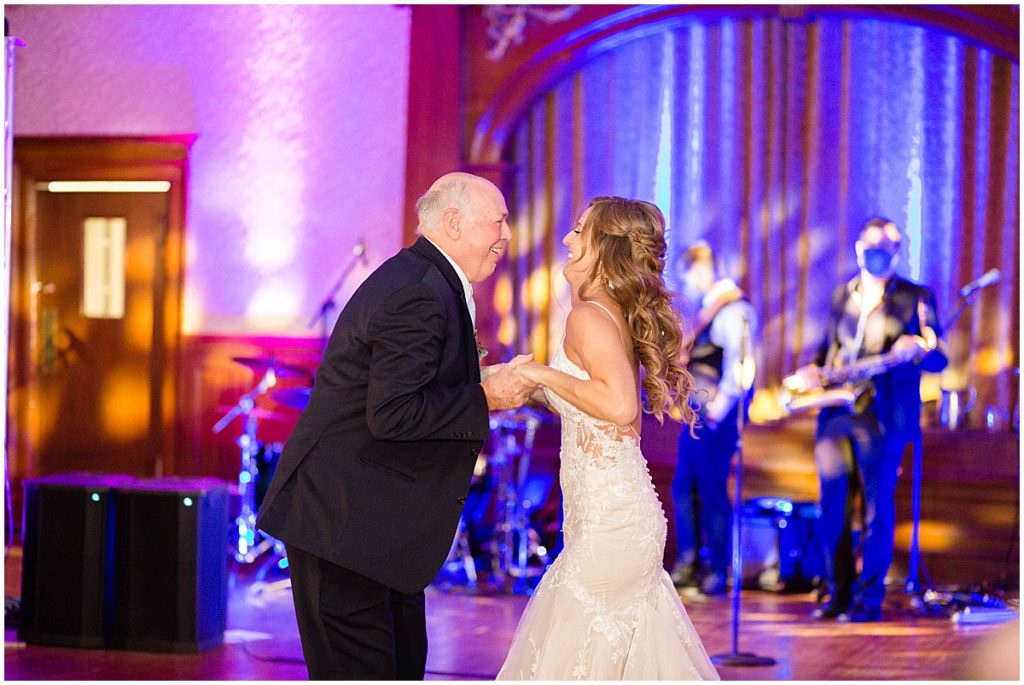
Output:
x=988 y=278
x=360 y=251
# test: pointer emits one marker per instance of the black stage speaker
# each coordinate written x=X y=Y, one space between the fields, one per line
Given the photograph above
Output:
x=171 y=556
x=67 y=565
x=782 y=551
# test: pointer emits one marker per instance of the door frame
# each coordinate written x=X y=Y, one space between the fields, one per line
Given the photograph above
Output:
x=39 y=160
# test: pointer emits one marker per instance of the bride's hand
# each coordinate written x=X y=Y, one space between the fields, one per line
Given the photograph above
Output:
x=488 y=371
x=532 y=372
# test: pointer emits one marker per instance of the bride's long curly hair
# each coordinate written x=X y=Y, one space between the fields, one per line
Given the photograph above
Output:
x=629 y=239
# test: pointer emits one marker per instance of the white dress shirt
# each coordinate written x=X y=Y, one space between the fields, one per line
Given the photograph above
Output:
x=727 y=332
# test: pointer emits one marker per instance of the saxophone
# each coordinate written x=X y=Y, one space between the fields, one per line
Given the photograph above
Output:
x=841 y=386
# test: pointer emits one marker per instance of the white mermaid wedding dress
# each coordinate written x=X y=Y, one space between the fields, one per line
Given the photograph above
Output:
x=606 y=609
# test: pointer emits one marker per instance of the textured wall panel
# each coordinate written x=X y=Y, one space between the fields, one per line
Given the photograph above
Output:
x=300 y=116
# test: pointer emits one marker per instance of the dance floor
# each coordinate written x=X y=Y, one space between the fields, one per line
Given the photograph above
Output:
x=470 y=633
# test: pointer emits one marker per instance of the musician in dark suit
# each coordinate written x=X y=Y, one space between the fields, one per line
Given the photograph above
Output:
x=369 y=488
x=860 y=448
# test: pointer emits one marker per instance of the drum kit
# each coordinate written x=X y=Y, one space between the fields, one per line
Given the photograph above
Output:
x=516 y=555
x=513 y=548
x=258 y=459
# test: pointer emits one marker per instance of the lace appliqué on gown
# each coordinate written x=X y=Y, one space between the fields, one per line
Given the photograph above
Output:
x=606 y=609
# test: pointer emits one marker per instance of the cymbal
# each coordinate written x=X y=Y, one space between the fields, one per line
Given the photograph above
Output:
x=261 y=364
x=261 y=414
x=297 y=398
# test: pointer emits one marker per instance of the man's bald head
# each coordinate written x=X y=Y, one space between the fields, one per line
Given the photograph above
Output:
x=466 y=217
x=457 y=190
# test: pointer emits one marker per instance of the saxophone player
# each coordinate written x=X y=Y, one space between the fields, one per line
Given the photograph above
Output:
x=859 y=447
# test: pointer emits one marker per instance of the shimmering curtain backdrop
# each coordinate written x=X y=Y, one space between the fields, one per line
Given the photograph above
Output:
x=775 y=140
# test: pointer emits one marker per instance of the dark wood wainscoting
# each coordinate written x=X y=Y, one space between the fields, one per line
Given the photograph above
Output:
x=970 y=530
x=211 y=382
x=969 y=496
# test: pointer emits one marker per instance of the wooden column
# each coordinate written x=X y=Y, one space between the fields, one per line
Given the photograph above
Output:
x=435 y=93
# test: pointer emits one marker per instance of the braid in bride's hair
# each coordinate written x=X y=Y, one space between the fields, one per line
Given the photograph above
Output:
x=629 y=238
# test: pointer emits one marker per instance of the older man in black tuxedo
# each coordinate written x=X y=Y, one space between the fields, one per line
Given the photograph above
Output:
x=369 y=489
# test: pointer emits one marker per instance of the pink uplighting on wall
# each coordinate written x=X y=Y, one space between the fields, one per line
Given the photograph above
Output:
x=299 y=117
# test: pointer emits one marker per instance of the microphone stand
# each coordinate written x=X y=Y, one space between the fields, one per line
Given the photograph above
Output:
x=915 y=564
x=328 y=304
x=736 y=657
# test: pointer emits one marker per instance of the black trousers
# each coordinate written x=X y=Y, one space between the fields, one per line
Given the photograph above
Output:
x=854 y=454
x=703 y=465
x=354 y=628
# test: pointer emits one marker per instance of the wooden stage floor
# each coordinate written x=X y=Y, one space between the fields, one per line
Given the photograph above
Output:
x=470 y=633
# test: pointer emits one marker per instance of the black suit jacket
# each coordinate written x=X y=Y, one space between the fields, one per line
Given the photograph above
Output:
x=894 y=396
x=374 y=476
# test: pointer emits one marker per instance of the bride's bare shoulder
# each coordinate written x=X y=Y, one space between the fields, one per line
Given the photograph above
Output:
x=588 y=328
x=585 y=320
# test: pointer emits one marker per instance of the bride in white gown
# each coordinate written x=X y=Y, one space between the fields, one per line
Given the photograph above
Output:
x=607 y=609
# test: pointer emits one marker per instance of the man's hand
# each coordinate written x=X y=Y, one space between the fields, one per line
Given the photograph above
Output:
x=504 y=387
x=803 y=379
x=717 y=409
x=488 y=371
x=907 y=343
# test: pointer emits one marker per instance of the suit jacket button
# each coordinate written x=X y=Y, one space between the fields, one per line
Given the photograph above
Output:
x=462 y=500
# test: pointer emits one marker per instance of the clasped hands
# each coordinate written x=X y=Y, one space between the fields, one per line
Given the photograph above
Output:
x=510 y=385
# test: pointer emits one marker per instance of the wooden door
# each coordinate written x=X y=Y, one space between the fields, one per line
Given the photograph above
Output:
x=100 y=367
x=95 y=392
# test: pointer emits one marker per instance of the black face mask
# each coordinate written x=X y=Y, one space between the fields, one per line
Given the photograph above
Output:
x=878 y=262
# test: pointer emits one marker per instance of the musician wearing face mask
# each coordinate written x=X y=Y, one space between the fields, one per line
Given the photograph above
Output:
x=721 y=316
x=859 y=446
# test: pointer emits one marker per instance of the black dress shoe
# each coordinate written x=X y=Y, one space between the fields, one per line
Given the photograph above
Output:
x=863 y=614
x=830 y=610
x=713 y=584
x=684 y=576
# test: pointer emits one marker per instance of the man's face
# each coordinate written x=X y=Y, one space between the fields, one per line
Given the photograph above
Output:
x=878 y=250
x=697 y=280
x=484 y=233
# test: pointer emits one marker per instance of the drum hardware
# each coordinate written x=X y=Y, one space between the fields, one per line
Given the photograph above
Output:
x=261 y=365
x=460 y=559
x=515 y=542
x=266 y=463
x=955 y=406
x=251 y=544
x=514 y=549
x=296 y=398
x=260 y=413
